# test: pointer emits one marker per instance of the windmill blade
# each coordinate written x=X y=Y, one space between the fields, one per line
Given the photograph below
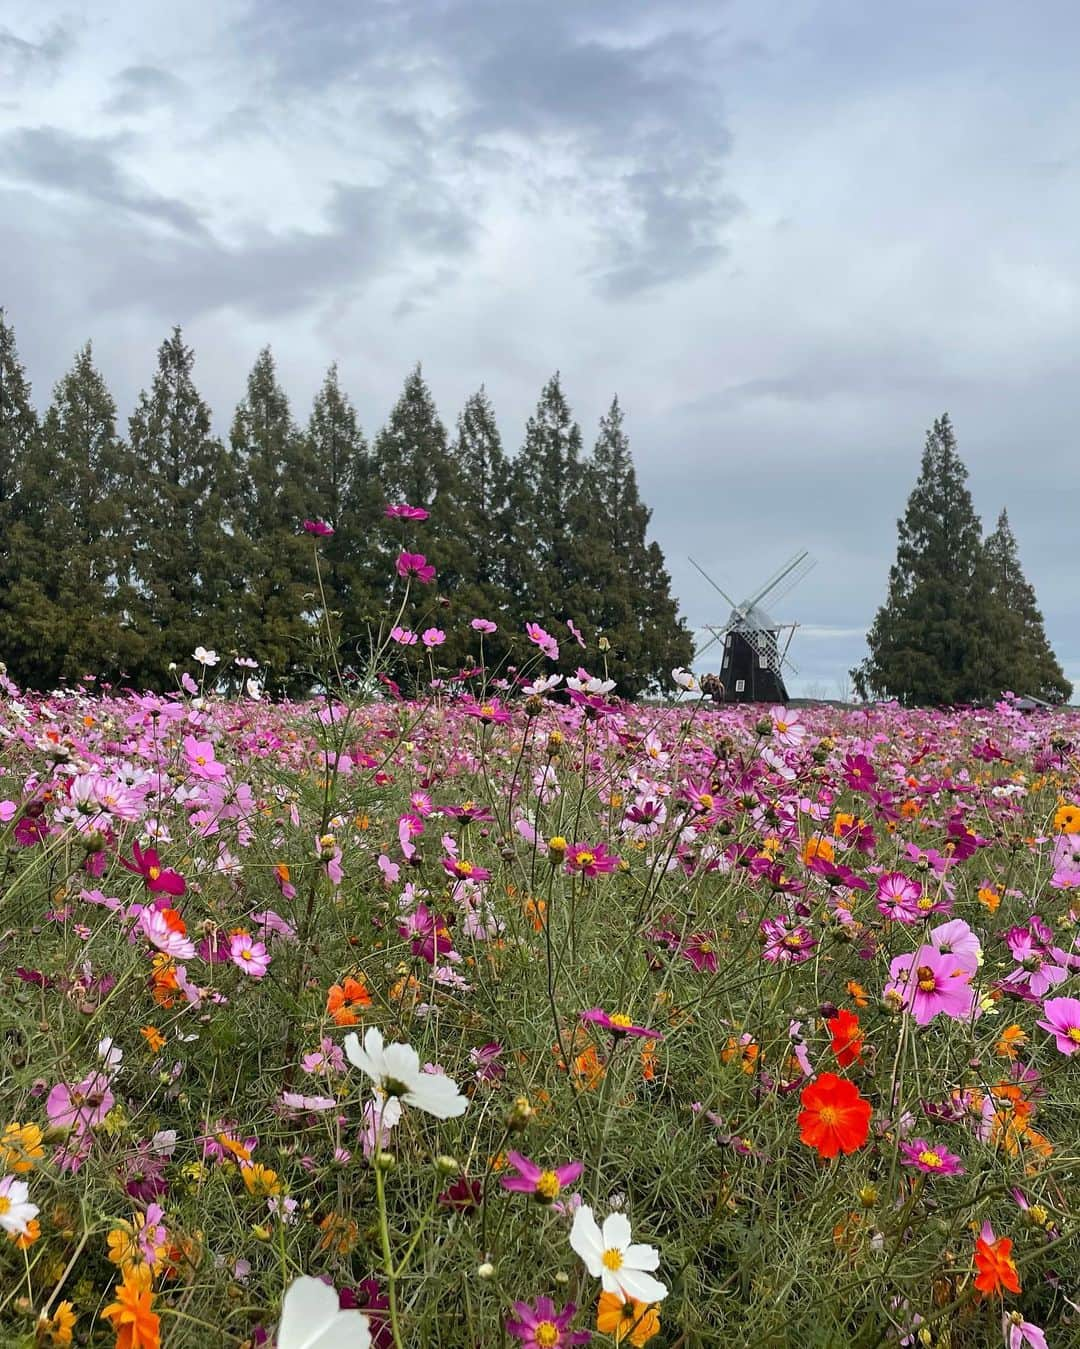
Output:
x=800 y=574
x=719 y=590
x=777 y=577
x=717 y=636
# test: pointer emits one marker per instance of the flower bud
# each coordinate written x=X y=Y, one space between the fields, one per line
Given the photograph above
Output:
x=763 y=726
x=868 y=1196
x=557 y=846
x=447 y=1166
x=521 y=1115
x=486 y=1270
x=385 y=1161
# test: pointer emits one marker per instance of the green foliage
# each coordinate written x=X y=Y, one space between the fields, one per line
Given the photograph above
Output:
x=120 y=557
x=938 y=637
x=1030 y=665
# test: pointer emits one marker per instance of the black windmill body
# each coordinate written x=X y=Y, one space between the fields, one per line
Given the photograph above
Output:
x=754 y=644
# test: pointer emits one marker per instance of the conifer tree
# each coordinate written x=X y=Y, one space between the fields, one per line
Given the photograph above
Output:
x=931 y=641
x=1027 y=662
x=480 y=508
x=76 y=604
x=341 y=474
x=18 y=440
x=268 y=561
x=635 y=607
x=179 y=468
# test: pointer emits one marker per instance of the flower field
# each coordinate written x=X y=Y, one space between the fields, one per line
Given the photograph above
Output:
x=519 y=1021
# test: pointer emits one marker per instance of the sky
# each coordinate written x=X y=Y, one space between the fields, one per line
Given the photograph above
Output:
x=787 y=233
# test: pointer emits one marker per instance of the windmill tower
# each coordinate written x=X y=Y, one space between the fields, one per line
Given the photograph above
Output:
x=754 y=644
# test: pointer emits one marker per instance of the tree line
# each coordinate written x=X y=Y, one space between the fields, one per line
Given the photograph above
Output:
x=960 y=622
x=119 y=554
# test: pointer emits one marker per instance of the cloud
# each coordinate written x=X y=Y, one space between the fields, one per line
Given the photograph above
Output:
x=23 y=59
x=138 y=89
x=86 y=167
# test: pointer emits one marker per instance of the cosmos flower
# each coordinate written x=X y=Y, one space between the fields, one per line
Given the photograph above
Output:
x=406 y=512
x=994 y=1265
x=395 y=1071
x=609 y=1255
x=927 y=982
x=834 y=1116
x=590 y=859
x=156 y=878
x=1062 y=1020
x=415 y=565
x=619 y=1024
x=539 y=1326
x=249 y=956
x=546 y=1185
x=311 y=1318
x=932 y=1161
x=319 y=528
x=16 y=1212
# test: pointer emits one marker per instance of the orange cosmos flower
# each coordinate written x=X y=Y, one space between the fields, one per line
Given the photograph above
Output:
x=818 y=847
x=633 y=1321
x=1010 y=1041
x=847 y=1039
x=1067 y=819
x=995 y=1267
x=857 y=993
x=133 y=1319
x=834 y=1117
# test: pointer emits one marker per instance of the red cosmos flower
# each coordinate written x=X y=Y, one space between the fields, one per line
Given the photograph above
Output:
x=834 y=1117
x=158 y=879
x=996 y=1269
x=847 y=1040
x=415 y=564
x=406 y=512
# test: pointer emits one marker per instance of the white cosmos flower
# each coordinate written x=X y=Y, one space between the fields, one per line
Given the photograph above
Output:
x=684 y=678
x=311 y=1319
x=610 y=1256
x=395 y=1070
x=15 y=1212
x=204 y=656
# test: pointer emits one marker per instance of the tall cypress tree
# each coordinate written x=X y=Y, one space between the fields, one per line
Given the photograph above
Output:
x=18 y=440
x=932 y=640
x=1028 y=664
x=481 y=510
x=342 y=481
x=269 y=568
x=179 y=466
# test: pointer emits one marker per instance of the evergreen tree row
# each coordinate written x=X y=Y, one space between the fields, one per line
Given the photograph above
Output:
x=960 y=623
x=119 y=555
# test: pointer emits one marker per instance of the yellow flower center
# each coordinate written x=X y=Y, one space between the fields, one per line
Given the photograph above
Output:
x=586 y=859
x=245 y=954
x=620 y=1020
x=929 y=1158
x=612 y=1258
x=1073 y=1034
x=546 y=1334
x=463 y=868
x=154 y=873
x=5 y=1205
x=488 y=710
x=925 y=903
x=200 y=759
x=927 y=982
x=781 y=726
x=705 y=800
x=828 y=1114
x=547 y=1186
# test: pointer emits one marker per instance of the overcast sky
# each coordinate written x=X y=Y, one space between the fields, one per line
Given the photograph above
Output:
x=787 y=233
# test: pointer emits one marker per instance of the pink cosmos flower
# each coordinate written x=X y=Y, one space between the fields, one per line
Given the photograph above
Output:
x=544 y=640
x=932 y=1161
x=483 y=625
x=250 y=956
x=927 y=982
x=786 y=942
x=786 y=728
x=618 y=1023
x=955 y=938
x=403 y=636
x=165 y=929
x=201 y=760
x=701 y=951
x=1017 y=1332
x=417 y=565
x=897 y=896
x=158 y=879
x=428 y=933
x=319 y=528
x=590 y=859
x=1063 y=1022
x=575 y=632
x=406 y=512
x=79 y=1107
x=535 y=1180
x=433 y=637
x=491 y=712
x=542 y=1327
x=464 y=871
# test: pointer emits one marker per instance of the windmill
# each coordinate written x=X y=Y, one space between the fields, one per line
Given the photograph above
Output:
x=755 y=648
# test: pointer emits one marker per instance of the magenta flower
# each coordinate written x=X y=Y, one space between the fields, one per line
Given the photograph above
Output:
x=417 y=565
x=932 y=1161
x=201 y=760
x=464 y=871
x=166 y=930
x=619 y=1024
x=590 y=859
x=1063 y=1022
x=491 y=712
x=483 y=625
x=785 y=942
x=701 y=952
x=897 y=897
x=433 y=637
x=79 y=1107
x=575 y=632
x=406 y=512
x=927 y=982
x=541 y=1327
x=428 y=933
x=319 y=528
x=158 y=879
x=544 y=640
x=250 y=956
x=545 y=1185
x=403 y=636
